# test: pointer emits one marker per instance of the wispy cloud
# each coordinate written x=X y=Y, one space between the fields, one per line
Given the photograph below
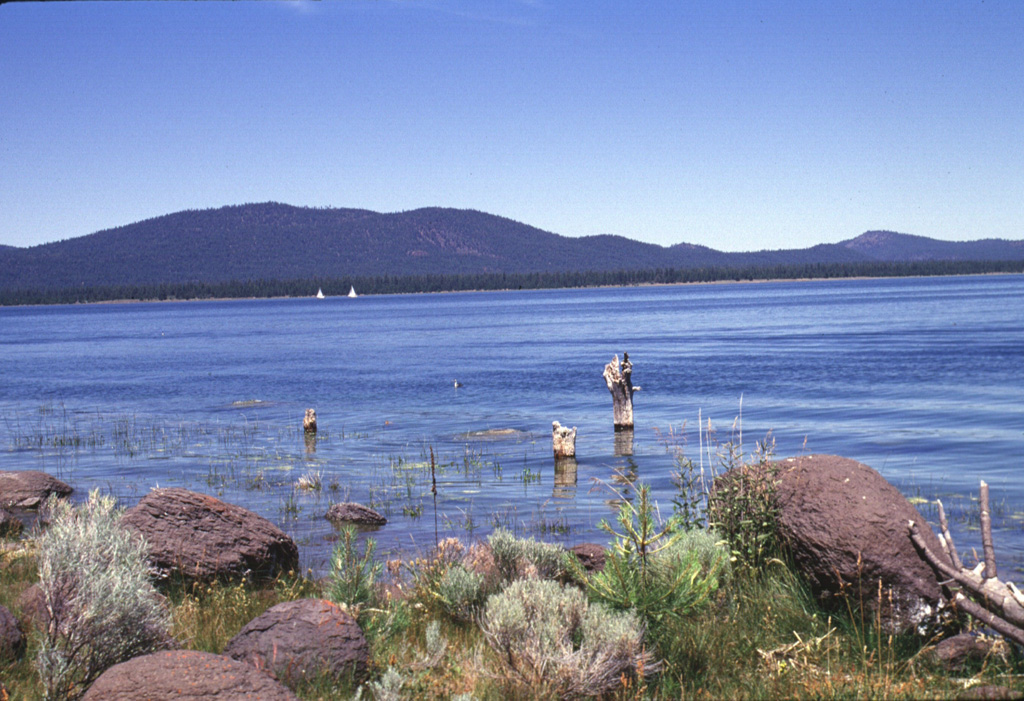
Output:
x=304 y=7
x=518 y=12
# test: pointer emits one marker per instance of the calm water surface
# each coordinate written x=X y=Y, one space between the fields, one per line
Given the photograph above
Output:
x=919 y=378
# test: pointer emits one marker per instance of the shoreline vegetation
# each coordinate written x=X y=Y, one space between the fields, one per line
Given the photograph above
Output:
x=411 y=284
x=448 y=623
x=701 y=602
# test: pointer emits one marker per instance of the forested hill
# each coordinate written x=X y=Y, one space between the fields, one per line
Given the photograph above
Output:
x=271 y=241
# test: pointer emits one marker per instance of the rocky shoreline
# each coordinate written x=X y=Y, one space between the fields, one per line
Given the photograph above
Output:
x=843 y=525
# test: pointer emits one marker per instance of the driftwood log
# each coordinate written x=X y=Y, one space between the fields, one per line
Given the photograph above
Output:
x=563 y=440
x=620 y=384
x=998 y=605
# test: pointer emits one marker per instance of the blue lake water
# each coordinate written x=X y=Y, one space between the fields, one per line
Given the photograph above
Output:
x=919 y=378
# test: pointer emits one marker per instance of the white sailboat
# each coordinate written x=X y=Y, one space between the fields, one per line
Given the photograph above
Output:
x=352 y=292
x=319 y=293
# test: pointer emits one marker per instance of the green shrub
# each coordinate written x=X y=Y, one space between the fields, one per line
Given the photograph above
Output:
x=653 y=568
x=550 y=642
x=101 y=603
x=353 y=576
x=743 y=510
x=460 y=592
x=436 y=646
x=389 y=688
x=690 y=500
x=706 y=547
x=518 y=557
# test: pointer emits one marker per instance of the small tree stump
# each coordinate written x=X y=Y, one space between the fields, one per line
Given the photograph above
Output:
x=309 y=422
x=620 y=384
x=563 y=440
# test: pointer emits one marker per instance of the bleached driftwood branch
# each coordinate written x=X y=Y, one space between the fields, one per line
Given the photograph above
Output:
x=997 y=604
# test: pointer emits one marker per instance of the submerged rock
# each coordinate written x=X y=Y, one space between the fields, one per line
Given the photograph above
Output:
x=494 y=434
x=351 y=512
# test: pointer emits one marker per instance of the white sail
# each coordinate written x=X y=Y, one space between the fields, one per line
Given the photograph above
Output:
x=320 y=294
x=352 y=292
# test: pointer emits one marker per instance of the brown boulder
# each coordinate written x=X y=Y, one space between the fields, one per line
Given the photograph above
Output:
x=196 y=536
x=32 y=603
x=28 y=489
x=590 y=555
x=186 y=675
x=300 y=640
x=350 y=512
x=990 y=692
x=846 y=529
x=959 y=652
x=10 y=525
x=12 y=642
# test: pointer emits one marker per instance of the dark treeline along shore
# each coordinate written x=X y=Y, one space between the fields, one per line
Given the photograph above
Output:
x=277 y=250
x=407 y=284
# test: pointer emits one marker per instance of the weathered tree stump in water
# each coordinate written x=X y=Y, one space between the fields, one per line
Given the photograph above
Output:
x=309 y=422
x=563 y=440
x=620 y=384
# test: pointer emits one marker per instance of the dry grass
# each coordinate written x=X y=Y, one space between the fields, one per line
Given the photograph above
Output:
x=205 y=616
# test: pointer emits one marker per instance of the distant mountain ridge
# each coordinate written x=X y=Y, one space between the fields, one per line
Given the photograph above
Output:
x=273 y=241
x=891 y=246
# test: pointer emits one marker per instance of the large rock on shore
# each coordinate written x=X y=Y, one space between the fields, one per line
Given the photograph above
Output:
x=961 y=652
x=32 y=603
x=590 y=555
x=12 y=641
x=10 y=525
x=195 y=536
x=186 y=675
x=28 y=489
x=300 y=640
x=846 y=528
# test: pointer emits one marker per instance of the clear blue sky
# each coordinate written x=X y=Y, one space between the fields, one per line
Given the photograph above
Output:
x=738 y=125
